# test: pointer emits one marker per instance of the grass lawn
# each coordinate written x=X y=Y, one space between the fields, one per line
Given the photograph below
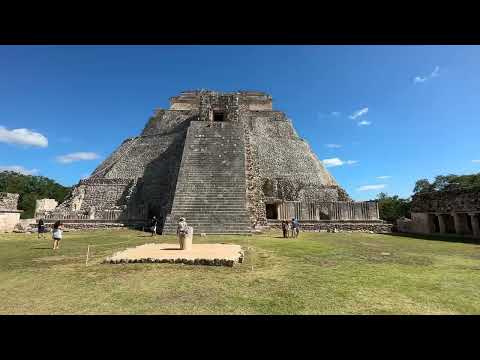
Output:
x=318 y=273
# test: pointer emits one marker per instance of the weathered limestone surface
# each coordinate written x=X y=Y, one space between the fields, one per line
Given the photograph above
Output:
x=445 y=212
x=9 y=215
x=376 y=226
x=8 y=201
x=464 y=200
x=215 y=158
x=44 y=205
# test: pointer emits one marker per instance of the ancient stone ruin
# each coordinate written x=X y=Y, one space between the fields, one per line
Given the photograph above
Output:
x=227 y=162
x=9 y=215
x=444 y=212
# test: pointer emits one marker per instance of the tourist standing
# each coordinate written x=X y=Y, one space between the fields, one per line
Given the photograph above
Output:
x=182 y=231
x=296 y=227
x=153 y=226
x=41 y=228
x=285 y=228
x=57 y=234
x=292 y=227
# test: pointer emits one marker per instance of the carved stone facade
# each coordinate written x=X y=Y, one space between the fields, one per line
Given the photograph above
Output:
x=220 y=158
x=445 y=212
x=9 y=215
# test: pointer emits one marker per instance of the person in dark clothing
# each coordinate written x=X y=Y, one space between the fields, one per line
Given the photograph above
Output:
x=41 y=228
x=285 y=228
x=153 y=226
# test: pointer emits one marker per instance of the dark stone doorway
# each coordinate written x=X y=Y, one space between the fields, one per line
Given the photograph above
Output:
x=272 y=211
x=218 y=116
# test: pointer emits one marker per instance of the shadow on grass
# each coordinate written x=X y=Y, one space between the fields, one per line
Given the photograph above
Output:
x=42 y=248
x=447 y=238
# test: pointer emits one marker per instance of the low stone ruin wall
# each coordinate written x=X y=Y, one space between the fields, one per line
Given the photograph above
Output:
x=378 y=226
x=9 y=215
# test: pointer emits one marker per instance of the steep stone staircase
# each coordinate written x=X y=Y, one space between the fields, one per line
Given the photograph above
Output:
x=211 y=186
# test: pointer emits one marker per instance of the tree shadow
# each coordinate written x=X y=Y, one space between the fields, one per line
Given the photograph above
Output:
x=41 y=248
x=453 y=238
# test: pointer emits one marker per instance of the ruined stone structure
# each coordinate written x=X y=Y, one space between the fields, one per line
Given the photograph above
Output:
x=9 y=215
x=45 y=205
x=227 y=162
x=445 y=212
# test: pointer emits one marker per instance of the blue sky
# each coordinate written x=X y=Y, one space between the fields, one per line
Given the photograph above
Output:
x=419 y=106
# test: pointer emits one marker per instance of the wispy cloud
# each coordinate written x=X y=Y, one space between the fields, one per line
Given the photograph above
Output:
x=337 y=162
x=476 y=161
x=19 y=169
x=419 y=79
x=358 y=113
x=364 y=123
x=327 y=115
x=422 y=79
x=22 y=137
x=384 y=177
x=333 y=146
x=78 y=156
x=371 y=187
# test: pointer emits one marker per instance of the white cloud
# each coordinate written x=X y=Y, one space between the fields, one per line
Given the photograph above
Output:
x=78 y=156
x=358 y=113
x=337 y=162
x=333 y=146
x=19 y=169
x=22 y=137
x=476 y=161
x=364 y=123
x=371 y=187
x=383 y=177
x=421 y=79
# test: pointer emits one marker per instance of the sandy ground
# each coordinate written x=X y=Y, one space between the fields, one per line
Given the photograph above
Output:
x=200 y=254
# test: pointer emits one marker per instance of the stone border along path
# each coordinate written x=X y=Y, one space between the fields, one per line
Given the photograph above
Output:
x=201 y=254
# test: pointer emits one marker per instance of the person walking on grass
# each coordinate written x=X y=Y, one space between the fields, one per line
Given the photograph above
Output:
x=57 y=234
x=285 y=228
x=41 y=228
x=153 y=226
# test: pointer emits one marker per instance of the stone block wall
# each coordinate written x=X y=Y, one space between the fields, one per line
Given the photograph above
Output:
x=9 y=215
x=8 y=201
x=464 y=200
x=43 y=205
x=287 y=161
x=8 y=220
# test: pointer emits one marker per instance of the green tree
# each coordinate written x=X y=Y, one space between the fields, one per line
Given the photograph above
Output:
x=422 y=185
x=392 y=208
x=30 y=189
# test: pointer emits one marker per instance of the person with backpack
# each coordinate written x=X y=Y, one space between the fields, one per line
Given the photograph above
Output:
x=57 y=234
x=153 y=226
